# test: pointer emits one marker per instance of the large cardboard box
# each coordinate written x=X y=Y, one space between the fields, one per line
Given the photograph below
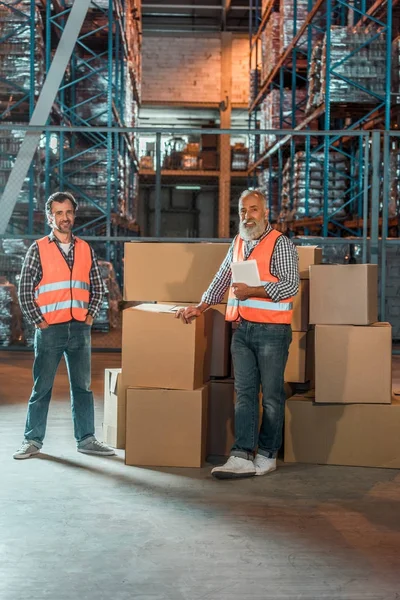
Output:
x=343 y=294
x=170 y=272
x=301 y=307
x=300 y=364
x=159 y=351
x=114 y=409
x=353 y=363
x=166 y=428
x=364 y=435
x=218 y=352
x=308 y=255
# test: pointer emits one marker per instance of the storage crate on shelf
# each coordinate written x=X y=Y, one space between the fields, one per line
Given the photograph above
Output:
x=303 y=188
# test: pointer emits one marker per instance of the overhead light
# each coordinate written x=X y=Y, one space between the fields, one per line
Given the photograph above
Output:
x=188 y=187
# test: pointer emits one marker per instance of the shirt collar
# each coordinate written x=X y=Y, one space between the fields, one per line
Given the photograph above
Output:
x=53 y=238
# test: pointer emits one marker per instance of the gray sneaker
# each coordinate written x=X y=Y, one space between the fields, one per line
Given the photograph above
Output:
x=93 y=446
x=26 y=451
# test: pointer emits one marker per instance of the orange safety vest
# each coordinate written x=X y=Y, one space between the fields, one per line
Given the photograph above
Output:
x=259 y=310
x=63 y=293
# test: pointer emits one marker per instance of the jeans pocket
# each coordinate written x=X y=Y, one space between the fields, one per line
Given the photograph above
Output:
x=276 y=328
x=43 y=330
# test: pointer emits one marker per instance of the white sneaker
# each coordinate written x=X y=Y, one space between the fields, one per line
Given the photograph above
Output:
x=264 y=465
x=93 y=446
x=234 y=468
x=26 y=450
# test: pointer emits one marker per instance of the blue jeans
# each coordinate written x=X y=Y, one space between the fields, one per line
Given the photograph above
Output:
x=73 y=341
x=259 y=354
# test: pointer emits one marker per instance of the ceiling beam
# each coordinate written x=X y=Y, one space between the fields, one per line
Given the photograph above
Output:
x=180 y=6
x=196 y=6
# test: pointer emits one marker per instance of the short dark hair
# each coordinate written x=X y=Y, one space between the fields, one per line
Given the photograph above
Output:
x=60 y=197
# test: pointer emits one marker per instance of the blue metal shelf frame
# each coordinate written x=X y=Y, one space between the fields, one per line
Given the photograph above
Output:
x=101 y=52
x=13 y=110
x=330 y=12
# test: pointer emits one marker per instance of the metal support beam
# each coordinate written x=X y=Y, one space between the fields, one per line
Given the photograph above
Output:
x=157 y=215
x=193 y=7
x=226 y=6
x=225 y=140
x=365 y=199
x=376 y=162
x=385 y=217
x=42 y=110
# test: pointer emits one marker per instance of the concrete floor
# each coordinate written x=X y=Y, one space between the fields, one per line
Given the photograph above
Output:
x=79 y=527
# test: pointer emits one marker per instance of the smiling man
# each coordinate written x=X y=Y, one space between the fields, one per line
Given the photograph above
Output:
x=261 y=341
x=61 y=292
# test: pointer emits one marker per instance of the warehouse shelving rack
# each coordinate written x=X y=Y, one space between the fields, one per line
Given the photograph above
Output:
x=104 y=60
x=16 y=108
x=291 y=70
x=21 y=100
x=103 y=64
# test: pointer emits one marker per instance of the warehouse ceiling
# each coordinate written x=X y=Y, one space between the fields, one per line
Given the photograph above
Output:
x=195 y=16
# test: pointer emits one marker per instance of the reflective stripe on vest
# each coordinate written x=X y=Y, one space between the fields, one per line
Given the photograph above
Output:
x=61 y=285
x=63 y=305
x=260 y=304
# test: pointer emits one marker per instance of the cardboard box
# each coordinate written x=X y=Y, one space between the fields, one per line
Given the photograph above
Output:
x=166 y=428
x=300 y=364
x=221 y=339
x=159 y=351
x=114 y=409
x=170 y=272
x=353 y=363
x=301 y=307
x=209 y=140
x=364 y=435
x=343 y=294
x=209 y=160
x=218 y=352
x=308 y=255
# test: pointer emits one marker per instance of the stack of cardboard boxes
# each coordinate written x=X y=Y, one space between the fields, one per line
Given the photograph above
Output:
x=352 y=419
x=172 y=403
x=162 y=391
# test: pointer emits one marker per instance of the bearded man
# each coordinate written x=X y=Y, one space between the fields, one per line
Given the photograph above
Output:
x=261 y=340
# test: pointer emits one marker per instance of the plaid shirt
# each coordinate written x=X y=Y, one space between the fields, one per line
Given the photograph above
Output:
x=284 y=266
x=32 y=273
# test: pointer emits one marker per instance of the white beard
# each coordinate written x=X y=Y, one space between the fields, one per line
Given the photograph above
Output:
x=253 y=233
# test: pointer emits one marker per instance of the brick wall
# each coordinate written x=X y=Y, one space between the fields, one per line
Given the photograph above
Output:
x=240 y=70
x=187 y=69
